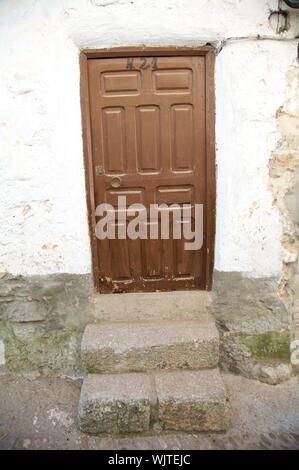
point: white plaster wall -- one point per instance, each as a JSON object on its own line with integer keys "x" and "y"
{"x": 250, "y": 87}
{"x": 42, "y": 202}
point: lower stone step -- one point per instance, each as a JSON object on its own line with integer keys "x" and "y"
{"x": 145, "y": 346}
{"x": 117, "y": 403}
{"x": 135, "y": 402}
{"x": 192, "y": 401}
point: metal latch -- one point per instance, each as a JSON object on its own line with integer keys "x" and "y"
{"x": 99, "y": 170}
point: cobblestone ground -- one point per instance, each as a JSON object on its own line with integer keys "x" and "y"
{"x": 42, "y": 414}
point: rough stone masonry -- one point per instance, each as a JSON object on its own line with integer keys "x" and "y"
{"x": 46, "y": 289}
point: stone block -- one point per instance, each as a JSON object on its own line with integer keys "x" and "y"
{"x": 142, "y": 346}
{"x": 116, "y": 403}
{"x": 192, "y": 401}
{"x": 26, "y": 311}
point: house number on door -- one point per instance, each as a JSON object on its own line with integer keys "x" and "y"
{"x": 143, "y": 63}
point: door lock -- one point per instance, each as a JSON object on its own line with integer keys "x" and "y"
{"x": 115, "y": 182}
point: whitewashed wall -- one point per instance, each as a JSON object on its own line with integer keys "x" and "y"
{"x": 43, "y": 212}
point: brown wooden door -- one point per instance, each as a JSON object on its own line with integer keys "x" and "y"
{"x": 148, "y": 128}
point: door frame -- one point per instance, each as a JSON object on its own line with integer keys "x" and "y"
{"x": 120, "y": 52}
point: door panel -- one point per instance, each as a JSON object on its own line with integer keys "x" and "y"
{"x": 114, "y": 140}
{"x": 148, "y": 139}
{"x": 182, "y": 137}
{"x": 148, "y": 128}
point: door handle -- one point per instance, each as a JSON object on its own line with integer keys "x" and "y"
{"x": 115, "y": 182}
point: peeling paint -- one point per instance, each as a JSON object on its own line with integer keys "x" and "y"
{"x": 284, "y": 175}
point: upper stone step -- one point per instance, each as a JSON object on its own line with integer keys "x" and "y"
{"x": 176, "y": 305}
{"x": 145, "y": 346}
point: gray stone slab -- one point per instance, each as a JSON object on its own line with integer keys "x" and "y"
{"x": 116, "y": 403}
{"x": 191, "y": 401}
{"x": 151, "y": 306}
{"x": 145, "y": 346}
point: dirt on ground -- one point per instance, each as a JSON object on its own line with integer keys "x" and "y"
{"x": 42, "y": 414}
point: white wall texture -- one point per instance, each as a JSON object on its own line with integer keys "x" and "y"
{"x": 43, "y": 213}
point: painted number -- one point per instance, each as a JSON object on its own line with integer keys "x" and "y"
{"x": 130, "y": 63}
{"x": 142, "y": 63}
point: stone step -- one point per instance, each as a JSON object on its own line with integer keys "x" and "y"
{"x": 145, "y": 346}
{"x": 150, "y": 306}
{"x": 192, "y": 401}
{"x": 138, "y": 402}
{"x": 117, "y": 403}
